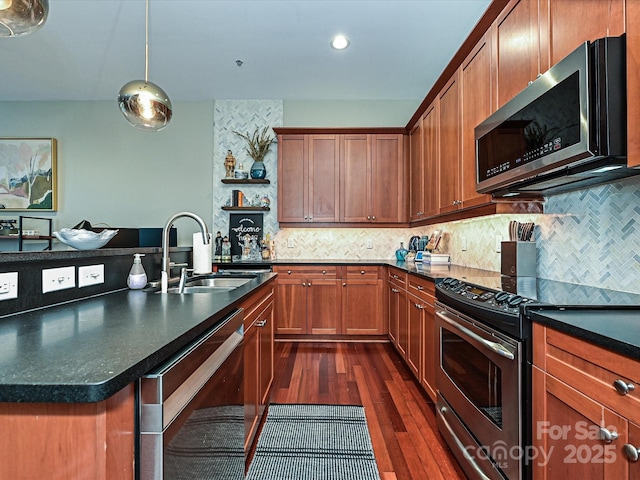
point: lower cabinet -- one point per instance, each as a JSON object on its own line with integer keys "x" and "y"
{"x": 411, "y": 324}
{"x": 586, "y": 413}
{"x": 328, "y": 300}
{"x": 258, "y": 357}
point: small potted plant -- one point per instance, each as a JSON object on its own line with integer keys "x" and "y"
{"x": 258, "y": 145}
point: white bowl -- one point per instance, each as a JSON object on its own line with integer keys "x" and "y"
{"x": 84, "y": 239}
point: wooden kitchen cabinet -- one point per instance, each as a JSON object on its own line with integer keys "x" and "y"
{"x": 422, "y": 290}
{"x": 431, "y": 156}
{"x": 258, "y": 357}
{"x": 362, "y": 301}
{"x": 308, "y": 300}
{"x": 372, "y": 174}
{"x": 476, "y": 106}
{"x": 564, "y": 26}
{"x": 576, "y": 407}
{"x": 516, "y": 52}
{"x": 414, "y": 332}
{"x": 308, "y": 183}
{"x": 397, "y": 301}
{"x": 416, "y": 173}
{"x": 449, "y": 145}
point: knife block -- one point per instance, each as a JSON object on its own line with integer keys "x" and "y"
{"x": 518, "y": 259}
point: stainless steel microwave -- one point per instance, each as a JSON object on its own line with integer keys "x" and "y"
{"x": 567, "y": 130}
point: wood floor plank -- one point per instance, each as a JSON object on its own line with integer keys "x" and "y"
{"x": 400, "y": 416}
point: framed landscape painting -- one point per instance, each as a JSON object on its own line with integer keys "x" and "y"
{"x": 28, "y": 174}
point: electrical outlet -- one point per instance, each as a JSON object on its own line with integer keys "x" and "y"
{"x": 8, "y": 285}
{"x": 290, "y": 243}
{"x": 463, "y": 240}
{"x": 58, "y": 279}
{"x": 90, "y": 275}
{"x": 369, "y": 243}
{"x": 498, "y": 243}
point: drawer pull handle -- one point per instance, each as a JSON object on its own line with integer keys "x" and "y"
{"x": 607, "y": 435}
{"x": 304, "y": 284}
{"x": 631, "y": 452}
{"x": 420, "y": 287}
{"x": 309, "y": 284}
{"x": 395, "y": 276}
{"x": 418, "y": 306}
{"x": 362, "y": 272}
{"x": 261, "y": 323}
{"x": 623, "y": 387}
{"x": 288, "y": 272}
{"x": 395, "y": 290}
{"x": 344, "y": 284}
{"x": 324, "y": 272}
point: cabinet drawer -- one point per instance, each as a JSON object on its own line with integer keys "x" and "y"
{"x": 397, "y": 276}
{"x": 367, "y": 271}
{"x": 256, "y": 304}
{"x": 593, "y": 370}
{"x": 306, "y": 271}
{"x": 422, "y": 288}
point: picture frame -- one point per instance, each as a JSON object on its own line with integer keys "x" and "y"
{"x": 28, "y": 177}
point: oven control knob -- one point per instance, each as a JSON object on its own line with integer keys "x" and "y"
{"x": 514, "y": 301}
{"x": 501, "y": 297}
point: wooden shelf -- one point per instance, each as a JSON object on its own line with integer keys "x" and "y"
{"x": 261, "y": 209}
{"x": 245, "y": 180}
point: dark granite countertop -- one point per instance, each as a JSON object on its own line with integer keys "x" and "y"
{"x": 614, "y": 328}
{"x": 89, "y": 349}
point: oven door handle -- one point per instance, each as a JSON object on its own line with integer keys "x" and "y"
{"x": 495, "y": 347}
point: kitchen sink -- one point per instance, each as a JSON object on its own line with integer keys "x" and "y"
{"x": 212, "y": 283}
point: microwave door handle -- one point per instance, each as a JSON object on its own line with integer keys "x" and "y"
{"x": 496, "y": 347}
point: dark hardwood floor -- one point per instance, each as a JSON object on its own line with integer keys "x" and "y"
{"x": 400, "y": 416}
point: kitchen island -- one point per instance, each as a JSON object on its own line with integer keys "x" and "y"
{"x": 67, "y": 376}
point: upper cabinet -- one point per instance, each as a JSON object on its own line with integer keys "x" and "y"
{"x": 449, "y": 145}
{"x": 564, "y": 26}
{"x": 308, "y": 183}
{"x": 417, "y": 169}
{"x": 341, "y": 177}
{"x": 516, "y": 52}
{"x": 633, "y": 83}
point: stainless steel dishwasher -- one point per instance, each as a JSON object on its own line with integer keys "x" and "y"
{"x": 191, "y": 409}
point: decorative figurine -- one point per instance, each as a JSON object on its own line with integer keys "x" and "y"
{"x": 229, "y": 164}
{"x": 218, "y": 249}
{"x": 226, "y": 249}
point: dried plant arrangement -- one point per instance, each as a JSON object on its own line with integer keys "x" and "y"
{"x": 258, "y": 143}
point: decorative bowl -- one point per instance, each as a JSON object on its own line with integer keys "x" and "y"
{"x": 81, "y": 239}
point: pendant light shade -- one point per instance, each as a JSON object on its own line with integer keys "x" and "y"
{"x": 22, "y": 17}
{"x": 144, "y": 104}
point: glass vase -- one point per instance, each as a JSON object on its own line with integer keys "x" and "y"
{"x": 258, "y": 170}
{"x": 401, "y": 253}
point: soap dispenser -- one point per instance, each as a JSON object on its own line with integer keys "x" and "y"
{"x": 137, "y": 276}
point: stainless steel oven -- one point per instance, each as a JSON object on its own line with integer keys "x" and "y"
{"x": 479, "y": 400}
{"x": 191, "y": 410}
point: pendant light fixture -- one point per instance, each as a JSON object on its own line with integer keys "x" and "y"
{"x": 22, "y": 17}
{"x": 144, "y": 104}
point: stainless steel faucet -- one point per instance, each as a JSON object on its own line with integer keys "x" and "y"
{"x": 166, "y": 262}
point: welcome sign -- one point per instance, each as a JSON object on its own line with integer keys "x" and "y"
{"x": 241, "y": 225}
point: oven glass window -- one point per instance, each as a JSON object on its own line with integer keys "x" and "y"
{"x": 474, "y": 374}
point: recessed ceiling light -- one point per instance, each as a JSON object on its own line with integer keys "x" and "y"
{"x": 339, "y": 42}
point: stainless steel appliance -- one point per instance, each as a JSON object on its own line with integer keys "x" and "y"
{"x": 191, "y": 409}
{"x": 566, "y": 130}
{"x": 483, "y": 379}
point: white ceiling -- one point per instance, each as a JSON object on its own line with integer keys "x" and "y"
{"x": 88, "y": 49}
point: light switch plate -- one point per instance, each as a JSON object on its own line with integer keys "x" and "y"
{"x": 369, "y": 243}
{"x": 90, "y": 275}
{"x": 290, "y": 243}
{"x": 8, "y": 285}
{"x": 58, "y": 279}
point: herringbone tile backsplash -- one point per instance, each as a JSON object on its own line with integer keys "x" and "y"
{"x": 588, "y": 237}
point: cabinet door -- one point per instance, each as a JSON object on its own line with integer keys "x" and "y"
{"x": 475, "y": 83}
{"x": 362, "y": 307}
{"x": 414, "y": 332}
{"x": 633, "y": 439}
{"x": 569, "y": 432}
{"x": 355, "y": 178}
{"x": 431, "y": 155}
{"x": 266, "y": 326}
{"x": 394, "y": 301}
{"x": 516, "y": 56}
{"x": 429, "y": 351}
{"x": 251, "y": 365}
{"x": 416, "y": 173}
{"x": 449, "y": 145}
{"x": 387, "y": 179}
{"x": 633, "y": 83}
{"x": 323, "y": 306}
{"x": 566, "y": 25}
{"x": 324, "y": 185}
{"x": 293, "y": 178}
{"x": 291, "y": 306}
